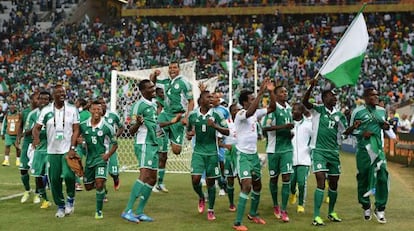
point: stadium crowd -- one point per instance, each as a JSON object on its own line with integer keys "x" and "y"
{"x": 288, "y": 48}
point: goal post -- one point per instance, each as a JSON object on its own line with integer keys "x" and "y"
{"x": 124, "y": 92}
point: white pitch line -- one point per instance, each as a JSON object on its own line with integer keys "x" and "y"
{"x": 11, "y": 196}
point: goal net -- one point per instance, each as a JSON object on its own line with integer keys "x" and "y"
{"x": 124, "y": 92}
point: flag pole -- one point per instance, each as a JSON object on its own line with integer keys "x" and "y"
{"x": 230, "y": 72}
{"x": 255, "y": 78}
{"x": 340, "y": 41}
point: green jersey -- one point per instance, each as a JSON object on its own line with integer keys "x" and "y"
{"x": 178, "y": 91}
{"x": 205, "y": 136}
{"x": 84, "y": 115}
{"x": 372, "y": 118}
{"x": 160, "y": 100}
{"x": 327, "y": 128}
{"x": 278, "y": 141}
{"x": 147, "y": 132}
{"x": 30, "y": 122}
{"x": 113, "y": 119}
{"x": 97, "y": 139}
{"x": 25, "y": 117}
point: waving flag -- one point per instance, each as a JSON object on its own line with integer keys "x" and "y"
{"x": 343, "y": 65}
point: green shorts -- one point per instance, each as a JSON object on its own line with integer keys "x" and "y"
{"x": 280, "y": 163}
{"x": 9, "y": 140}
{"x": 95, "y": 172}
{"x": 326, "y": 161}
{"x": 147, "y": 156}
{"x": 247, "y": 165}
{"x": 24, "y": 159}
{"x": 174, "y": 132}
{"x": 113, "y": 164}
{"x": 205, "y": 163}
{"x": 163, "y": 143}
{"x": 229, "y": 162}
{"x": 39, "y": 163}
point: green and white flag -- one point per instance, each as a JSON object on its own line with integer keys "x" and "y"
{"x": 3, "y": 87}
{"x": 377, "y": 159}
{"x": 154, "y": 25}
{"x": 237, "y": 50}
{"x": 407, "y": 48}
{"x": 343, "y": 65}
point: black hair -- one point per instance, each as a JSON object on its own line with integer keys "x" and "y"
{"x": 97, "y": 102}
{"x": 82, "y": 102}
{"x": 277, "y": 88}
{"x": 44, "y": 92}
{"x": 325, "y": 93}
{"x": 202, "y": 95}
{"x": 368, "y": 90}
{"x": 244, "y": 96}
{"x": 142, "y": 84}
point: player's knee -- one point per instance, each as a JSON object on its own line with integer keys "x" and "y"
{"x": 176, "y": 149}
{"x": 89, "y": 187}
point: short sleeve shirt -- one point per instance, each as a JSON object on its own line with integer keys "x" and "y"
{"x": 97, "y": 140}
{"x": 246, "y": 130}
{"x": 327, "y": 128}
{"x": 177, "y": 91}
{"x": 57, "y": 121}
{"x": 146, "y": 133}
{"x": 205, "y": 138}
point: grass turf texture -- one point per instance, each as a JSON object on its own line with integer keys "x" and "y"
{"x": 177, "y": 210}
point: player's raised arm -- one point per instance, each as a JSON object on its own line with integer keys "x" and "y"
{"x": 255, "y": 104}
{"x": 305, "y": 100}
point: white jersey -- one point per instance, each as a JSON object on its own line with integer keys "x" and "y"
{"x": 59, "y": 126}
{"x": 231, "y": 138}
{"x": 246, "y": 130}
{"x": 300, "y": 141}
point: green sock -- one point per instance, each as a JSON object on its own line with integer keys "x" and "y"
{"x": 198, "y": 189}
{"x": 100, "y": 195}
{"x": 273, "y": 193}
{"x": 241, "y": 207}
{"x": 161, "y": 173}
{"x": 318, "y": 198}
{"x": 255, "y": 203}
{"x": 136, "y": 190}
{"x": 332, "y": 200}
{"x": 211, "y": 196}
{"x": 145, "y": 195}
{"x": 230, "y": 194}
{"x": 25, "y": 180}
{"x": 285, "y": 194}
{"x": 301, "y": 194}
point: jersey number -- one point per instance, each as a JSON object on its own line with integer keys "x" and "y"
{"x": 331, "y": 124}
{"x": 101, "y": 171}
{"x": 94, "y": 140}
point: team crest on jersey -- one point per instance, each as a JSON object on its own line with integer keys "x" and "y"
{"x": 110, "y": 120}
{"x": 271, "y": 172}
{"x": 245, "y": 173}
{"x": 176, "y": 86}
{"x": 150, "y": 162}
{"x": 336, "y": 118}
{"x": 100, "y": 133}
{"x": 86, "y": 132}
{"x": 319, "y": 166}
